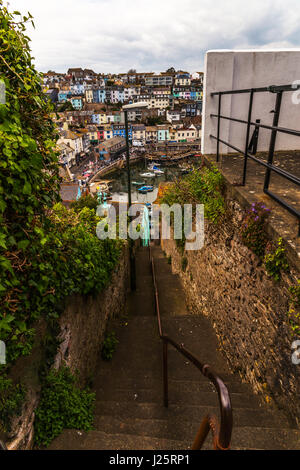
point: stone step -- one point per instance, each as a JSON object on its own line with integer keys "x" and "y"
{"x": 157, "y": 252}
{"x": 142, "y": 266}
{"x": 238, "y": 400}
{"x": 144, "y": 282}
{"x": 71, "y": 439}
{"x": 184, "y": 386}
{"x": 162, "y": 268}
{"x": 129, "y": 413}
{"x": 244, "y": 438}
{"x": 188, "y": 416}
{"x": 141, "y": 303}
{"x": 155, "y": 428}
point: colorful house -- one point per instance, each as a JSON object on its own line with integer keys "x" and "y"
{"x": 120, "y": 131}
{"x": 163, "y": 133}
{"x": 77, "y": 102}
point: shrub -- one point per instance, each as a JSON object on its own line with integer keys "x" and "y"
{"x": 198, "y": 187}
{"x": 11, "y": 399}
{"x": 62, "y": 406}
{"x": 87, "y": 200}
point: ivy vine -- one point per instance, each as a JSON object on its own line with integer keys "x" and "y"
{"x": 46, "y": 251}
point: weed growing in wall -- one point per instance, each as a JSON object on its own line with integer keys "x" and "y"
{"x": 184, "y": 263}
{"x": 294, "y": 309}
{"x": 253, "y": 232}
{"x": 109, "y": 346}
{"x": 11, "y": 399}
{"x": 276, "y": 261}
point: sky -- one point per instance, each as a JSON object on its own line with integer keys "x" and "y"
{"x": 153, "y": 35}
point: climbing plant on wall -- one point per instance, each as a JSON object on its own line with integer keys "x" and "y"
{"x": 28, "y": 171}
{"x": 46, "y": 251}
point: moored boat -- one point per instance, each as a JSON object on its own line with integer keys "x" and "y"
{"x": 145, "y": 189}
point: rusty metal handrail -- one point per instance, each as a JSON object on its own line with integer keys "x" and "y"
{"x": 221, "y": 432}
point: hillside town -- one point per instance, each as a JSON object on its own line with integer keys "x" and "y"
{"x": 90, "y": 116}
{"x": 150, "y": 229}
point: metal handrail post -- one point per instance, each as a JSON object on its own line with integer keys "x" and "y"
{"x": 273, "y": 139}
{"x": 247, "y": 137}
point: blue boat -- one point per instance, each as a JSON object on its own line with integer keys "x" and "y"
{"x": 145, "y": 189}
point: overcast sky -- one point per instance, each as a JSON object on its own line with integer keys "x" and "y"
{"x": 153, "y": 35}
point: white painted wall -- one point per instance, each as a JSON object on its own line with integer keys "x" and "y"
{"x": 228, "y": 70}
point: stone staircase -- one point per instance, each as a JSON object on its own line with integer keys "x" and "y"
{"x": 129, "y": 396}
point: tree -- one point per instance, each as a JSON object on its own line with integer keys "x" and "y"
{"x": 171, "y": 70}
{"x": 152, "y": 121}
{"x": 66, "y": 106}
{"x": 131, "y": 71}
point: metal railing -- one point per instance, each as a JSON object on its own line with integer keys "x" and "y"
{"x": 274, "y": 128}
{"x": 221, "y": 432}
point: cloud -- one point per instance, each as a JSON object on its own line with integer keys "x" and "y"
{"x": 115, "y": 35}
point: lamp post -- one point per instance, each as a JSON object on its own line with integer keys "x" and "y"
{"x": 131, "y": 250}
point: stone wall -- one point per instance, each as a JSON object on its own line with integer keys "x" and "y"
{"x": 84, "y": 321}
{"x": 82, "y": 325}
{"x": 226, "y": 282}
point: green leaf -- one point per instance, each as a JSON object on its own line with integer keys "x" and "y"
{"x": 27, "y": 188}
{"x": 23, "y": 244}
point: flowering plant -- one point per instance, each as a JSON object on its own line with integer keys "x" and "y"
{"x": 253, "y": 231}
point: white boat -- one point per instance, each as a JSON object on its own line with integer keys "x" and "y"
{"x": 155, "y": 169}
{"x": 148, "y": 175}
{"x": 153, "y": 166}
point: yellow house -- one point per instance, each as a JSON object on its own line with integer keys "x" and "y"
{"x": 102, "y": 118}
{"x": 186, "y": 134}
{"x": 89, "y": 96}
{"x": 158, "y": 101}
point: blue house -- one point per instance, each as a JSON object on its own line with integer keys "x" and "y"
{"x": 77, "y": 102}
{"x": 99, "y": 95}
{"x": 102, "y": 95}
{"x": 119, "y": 131}
{"x": 63, "y": 96}
{"x": 96, "y": 118}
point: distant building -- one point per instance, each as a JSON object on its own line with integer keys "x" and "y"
{"x": 72, "y": 139}
{"x": 76, "y": 73}
{"x": 77, "y": 102}
{"x": 151, "y": 134}
{"x": 159, "y": 80}
{"x": 163, "y": 133}
{"x": 68, "y": 193}
{"x": 182, "y": 79}
{"x": 52, "y": 94}
{"x": 112, "y": 148}
{"x": 138, "y": 133}
{"x": 120, "y": 131}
